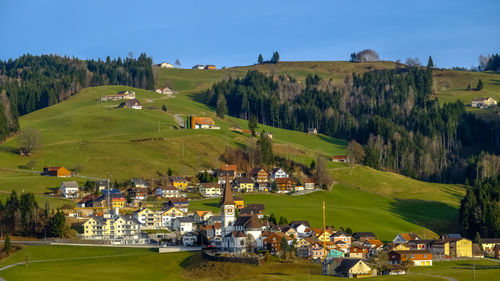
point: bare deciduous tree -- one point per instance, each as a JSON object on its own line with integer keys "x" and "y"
{"x": 322, "y": 175}
{"x": 412, "y": 62}
{"x": 30, "y": 139}
{"x": 365, "y": 55}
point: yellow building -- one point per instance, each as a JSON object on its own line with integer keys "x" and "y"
{"x": 245, "y": 184}
{"x": 459, "y": 247}
{"x": 123, "y": 229}
{"x": 148, "y": 218}
{"x": 168, "y": 216}
{"x": 238, "y": 201}
{"x": 178, "y": 182}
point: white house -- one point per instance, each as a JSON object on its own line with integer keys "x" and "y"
{"x": 184, "y": 224}
{"x": 164, "y": 91}
{"x": 189, "y": 239}
{"x": 69, "y": 189}
{"x": 167, "y": 192}
{"x": 405, "y": 237}
{"x": 210, "y": 189}
{"x": 199, "y": 66}
{"x": 278, "y": 173}
{"x": 166, "y": 65}
{"x": 483, "y": 102}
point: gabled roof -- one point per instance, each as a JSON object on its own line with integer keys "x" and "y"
{"x": 70, "y": 184}
{"x": 339, "y": 157}
{"x": 248, "y": 222}
{"x": 203, "y": 213}
{"x": 236, "y": 234}
{"x": 295, "y": 224}
{"x": 284, "y": 181}
{"x": 275, "y": 170}
{"x": 409, "y": 236}
{"x": 256, "y": 170}
{"x": 210, "y": 185}
{"x": 177, "y": 178}
{"x": 229, "y": 167}
{"x": 139, "y": 182}
{"x": 53, "y": 169}
{"x": 364, "y": 234}
{"x": 346, "y": 264}
{"x": 256, "y": 206}
{"x": 189, "y": 219}
{"x": 227, "y": 197}
{"x": 244, "y": 180}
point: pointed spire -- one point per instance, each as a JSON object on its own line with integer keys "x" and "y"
{"x": 227, "y": 196}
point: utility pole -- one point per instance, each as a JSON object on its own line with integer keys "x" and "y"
{"x": 324, "y": 232}
{"x": 474, "y": 270}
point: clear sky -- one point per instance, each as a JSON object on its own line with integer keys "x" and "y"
{"x": 230, "y": 33}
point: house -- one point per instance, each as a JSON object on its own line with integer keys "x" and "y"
{"x": 100, "y": 185}
{"x": 148, "y": 218}
{"x": 420, "y": 244}
{"x": 122, "y": 95}
{"x": 272, "y": 243}
{"x": 202, "y": 216}
{"x": 363, "y": 236}
{"x": 184, "y": 224}
{"x": 118, "y": 201}
{"x": 360, "y": 252}
{"x": 212, "y": 230}
{"x": 139, "y": 183}
{"x": 230, "y": 167}
{"x": 340, "y": 158}
{"x": 201, "y": 123}
{"x": 278, "y": 173}
{"x": 123, "y": 229}
{"x": 397, "y": 247}
{"x": 214, "y": 219}
{"x": 290, "y": 232}
{"x": 210, "y": 66}
{"x": 138, "y": 193}
{"x": 285, "y": 185}
{"x": 373, "y": 244}
{"x": 312, "y": 131}
{"x": 302, "y": 247}
{"x": 459, "y": 247}
{"x": 405, "y": 237}
{"x": 347, "y": 267}
{"x": 489, "y": 244}
{"x": 483, "y": 102}
{"x": 316, "y": 251}
{"x": 168, "y": 216}
{"x": 418, "y": 258}
{"x": 69, "y": 189}
{"x": 166, "y": 65}
{"x": 198, "y": 66}
{"x": 189, "y": 239}
{"x": 309, "y": 184}
{"x": 210, "y": 189}
{"x": 133, "y": 103}
{"x": 86, "y": 201}
{"x": 223, "y": 174}
{"x": 239, "y": 203}
{"x": 178, "y": 182}
{"x": 244, "y": 184}
{"x": 164, "y": 91}
{"x": 253, "y": 209}
{"x": 56, "y": 172}
{"x": 342, "y": 236}
{"x": 260, "y": 175}
{"x": 180, "y": 203}
{"x": 167, "y": 192}
{"x": 300, "y": 227}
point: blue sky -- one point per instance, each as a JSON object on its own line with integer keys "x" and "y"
{"x": 230, "y": 33}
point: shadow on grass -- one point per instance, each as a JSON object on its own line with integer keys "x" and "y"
{"x": 436, "y": 216}
{"x": 332, "y": 140}
{"x": 470, "y": 266}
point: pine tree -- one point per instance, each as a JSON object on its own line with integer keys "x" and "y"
{"x": 7, "y": 244}
{"x": 252, "y": 124}
{"x": 260, "y": 59}
{"x": 57, "y": 223}
{"x": 169, "y": 172}
{"x": 430, "y": 63}
{"x": 479, "y": 85}
{"x": 469, "y": 87}
{"x": 266, "y": 148}
{"x": 164, "y": 108}
{"x": 274, "y": 186}
{"x": 221, "y": 109}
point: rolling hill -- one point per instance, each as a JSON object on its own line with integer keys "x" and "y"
{"x": 98, "y": 140}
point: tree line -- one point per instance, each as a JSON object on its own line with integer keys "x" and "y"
{"x": 391, "y": 113}
{"x": 29, "y": 82}
{"x": 21, "y": 215}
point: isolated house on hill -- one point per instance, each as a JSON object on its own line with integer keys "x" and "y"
{"x": 69, "y": 189}
{"x": 340, "y": 158}
{"x": 483, "y": 102}
{"x": 56, "y": 172}
{"x": 166, "y": 65}
{"x": 134, "y": 104}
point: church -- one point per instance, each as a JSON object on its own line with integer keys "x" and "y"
{"x": 239, "y": 234}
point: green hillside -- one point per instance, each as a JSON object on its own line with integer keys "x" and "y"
{"x": 97, "y": 138}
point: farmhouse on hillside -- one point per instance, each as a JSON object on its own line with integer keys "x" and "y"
{"x": 134, "y": 104}
{"x": 69, "y": 189}
{"x": 201, "y": 123}
{"x": 210, "y": 66}
{"x": 483, "y": 102}
{"x": 164, "y": 91}
{"x": 340, "y": 158}
{"x": 199, "y": 66}
{"x": 122, "y": 95}
{"x": 56, "y": 172}
{"x": 166, "y": 65}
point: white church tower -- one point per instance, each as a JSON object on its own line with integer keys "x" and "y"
{"x": 228, "y": 209}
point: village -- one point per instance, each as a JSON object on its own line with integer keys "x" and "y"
{"x": 242, "y": 232}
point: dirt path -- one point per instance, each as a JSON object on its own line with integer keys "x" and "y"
{"x": 179, "y": 120}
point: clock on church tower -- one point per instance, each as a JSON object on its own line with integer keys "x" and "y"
{"x": 229, "y": 210}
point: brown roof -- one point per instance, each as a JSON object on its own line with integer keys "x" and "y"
{"x": 228, "y": 167}
{"x": 202, "y": 120}
{"x": 227, "y": 197}
{"x": 339, "y": 157}
{"x": 53, "y": 169}
{"x": 284, "y": 180}
{"x": 409, "y": 236}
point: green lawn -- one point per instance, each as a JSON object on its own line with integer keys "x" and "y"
{"x": 106, "y": 263}
{"x": 354, "y": 208}
{"x": 463, "y": 270}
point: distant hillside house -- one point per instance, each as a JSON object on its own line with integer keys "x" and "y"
{"x": 134, "y": 104}
{"x": 122, "y": 95}
{"x": 198, "y": 66}
{"x": 56, "y": 172}
{"x": 69, "y": 189}
{"x": 201, "y": 123}
{"x": 166, "y": 65}
{"x": 164, "y": 91}
{"x": 210, "y": 66}
{"x": 312, "y": 131}
{"x": 483, "y": 102}
{"x": 340, "y": 158}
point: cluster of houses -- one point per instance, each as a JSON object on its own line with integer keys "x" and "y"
{"x": 201, "y": 66}
{"x": 482, "y": 102}
{"x": 128, "y": 96}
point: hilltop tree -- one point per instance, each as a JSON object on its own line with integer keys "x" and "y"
{"x": 178, "y": 63}
{"x": 260, "y": 59}
{"x": 252, "y": 124}
{"x": 365, "y": 55}
{"x": 430, "y": 63}
{"x": 30, "y": 139}
{"x": 275, "y": 58}
{"x": 413, "y": 62}
{"x": 479, "y": 85}
{"x": 221, "y": 109}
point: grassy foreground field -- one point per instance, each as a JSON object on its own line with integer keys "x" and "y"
{"x": 103, "y": 263}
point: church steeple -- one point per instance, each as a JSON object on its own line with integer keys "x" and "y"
{"x": 227, "y": 196}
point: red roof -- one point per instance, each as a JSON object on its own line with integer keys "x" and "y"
{"x": 340, "y": 157}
